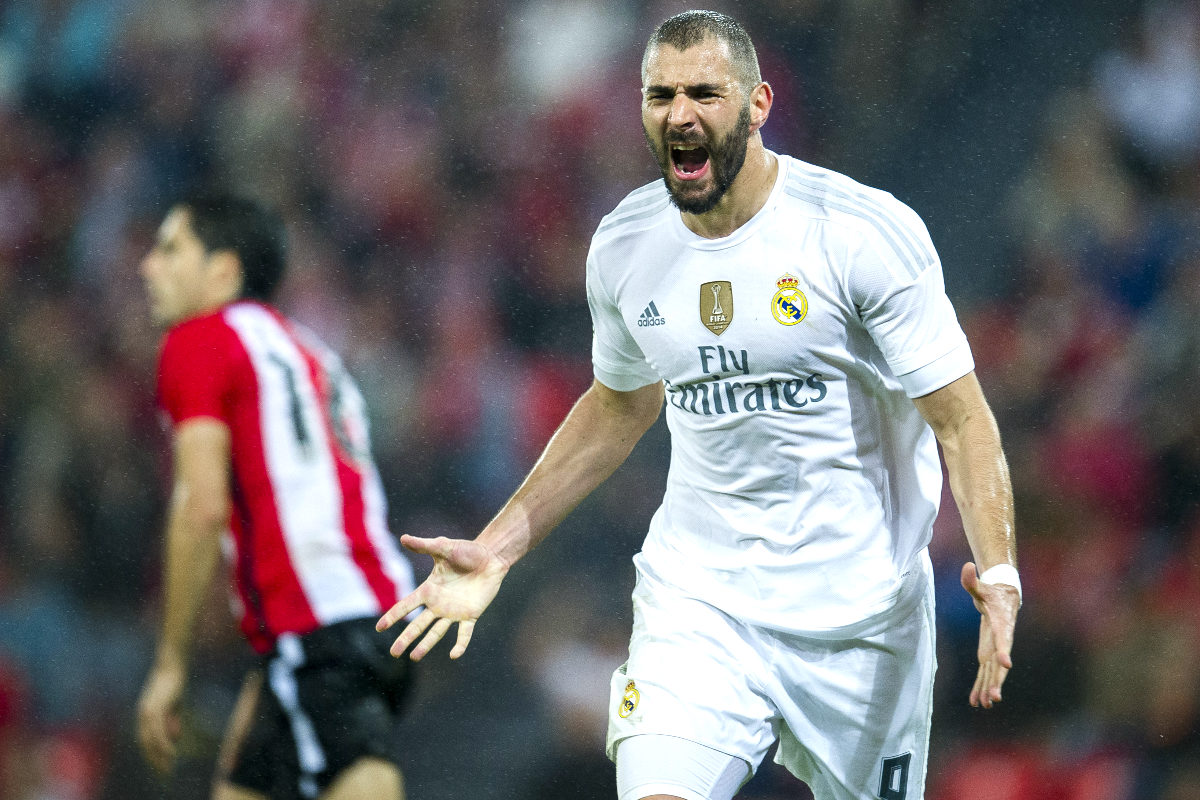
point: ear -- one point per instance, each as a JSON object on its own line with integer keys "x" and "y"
{"x": 225, "y": 271}
{"x": 761, "y": 98}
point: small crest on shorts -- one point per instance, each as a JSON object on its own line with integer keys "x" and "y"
{"x": 629, "y": 701}
{"x": 716, "y": 305}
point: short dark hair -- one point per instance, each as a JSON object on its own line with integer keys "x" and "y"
{"x": 690, "y": 28}
{"x": 224, "y": 221}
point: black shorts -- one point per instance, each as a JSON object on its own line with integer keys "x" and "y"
{"x": 329, "y": 698}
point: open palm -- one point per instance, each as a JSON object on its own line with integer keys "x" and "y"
{"x": 464, "y": 580}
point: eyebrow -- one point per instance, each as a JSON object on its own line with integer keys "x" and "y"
{"x": 696, "y": 88}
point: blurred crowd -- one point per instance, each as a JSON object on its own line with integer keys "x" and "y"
{"x": 442, "y": 166}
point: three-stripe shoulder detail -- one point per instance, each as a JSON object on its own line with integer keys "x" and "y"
{"x": 640, "y": 204}
{"x": 822, "y": 189}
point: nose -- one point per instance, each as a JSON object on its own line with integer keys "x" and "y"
{"x": 146, "y": 266}
{"x": 682, "y": 113}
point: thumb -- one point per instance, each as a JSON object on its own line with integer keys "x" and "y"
{"x": 429, "y": 547}
{"x": 970, "y": 580}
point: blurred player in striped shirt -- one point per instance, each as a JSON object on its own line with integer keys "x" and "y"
{"x": 272, "y": 464}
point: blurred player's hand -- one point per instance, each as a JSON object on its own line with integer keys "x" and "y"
{"x": 997, "y": 605}
{"x": 159, "y": 723}
{"x": 465, "y": 578}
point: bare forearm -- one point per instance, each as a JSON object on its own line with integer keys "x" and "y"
{"x": 966, "y": 429}
{"x": 970, "y": 440}
{"x": 191, "y": 559}
{"x": 196, "y": 518}
{"x": 595, "y": 438}
{"x": 982, "y": 490}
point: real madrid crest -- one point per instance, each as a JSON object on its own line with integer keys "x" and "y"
{"x": 716, "y": 305}
{"x": 789, "y": 305}
{"x": 629, "y": 700}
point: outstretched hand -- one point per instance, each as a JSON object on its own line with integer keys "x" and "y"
{"x": 997, "y": 605}
{"x": 465, "y": 578}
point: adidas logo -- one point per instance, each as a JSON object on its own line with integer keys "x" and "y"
{"x": 651, "y": 317}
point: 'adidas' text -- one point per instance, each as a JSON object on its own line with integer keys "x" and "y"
{"x": 651, "y": 317}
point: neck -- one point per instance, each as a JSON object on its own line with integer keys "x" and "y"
{"x": 746, "y": 196}
{"x": 214, "y": 302}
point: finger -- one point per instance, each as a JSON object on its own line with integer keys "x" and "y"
{"x": 153, "y": 755}
{"x": 985, "y": 685}
{"x": 164, "y": 756}
{"x": 983, "y": 656}
{"x": 987, "y": 691}
{"x": 976, "y": 698}
{"x": 465, "y": 629}
{"x": 165, "y": 743}
{"x": 145, "y": 742}
{"x": 1003, "y": 661}
{"x": 996, "y": 675}
{"x": 438, "y": 547}
{"x": 412, "y": 631}
{"x": 433, "y": 637}
{"x": 405, "y": 606}
{"x": 149, "y": 728}
{"x": 157, "y": 745}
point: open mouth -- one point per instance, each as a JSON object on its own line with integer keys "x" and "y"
{"x": 689, "y": 161}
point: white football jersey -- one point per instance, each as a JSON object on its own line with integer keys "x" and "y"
{"x": 803, "y": 482}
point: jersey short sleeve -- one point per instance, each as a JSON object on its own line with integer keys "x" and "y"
{"x": 617, "y": 361}
{"x": 896, "y": 284}
{"x": 196, "y": 371}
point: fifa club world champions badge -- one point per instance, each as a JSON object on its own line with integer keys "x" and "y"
{"x": 789, "y": 305}
{"x": 629, "y": 701}
{"x": 716, "y": 305}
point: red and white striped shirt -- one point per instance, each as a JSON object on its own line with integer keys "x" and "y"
{"x": 309, "y": 543}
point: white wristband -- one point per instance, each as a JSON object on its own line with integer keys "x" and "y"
{"x": 1003, "y": 573}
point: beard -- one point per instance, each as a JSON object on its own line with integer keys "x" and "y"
{"x": 725, "y": 160}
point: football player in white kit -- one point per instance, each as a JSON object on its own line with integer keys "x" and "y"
{"x": 796, "y": 324}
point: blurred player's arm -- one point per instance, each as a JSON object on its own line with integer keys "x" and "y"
{"x": 197, "y": 516}
{"x": 970, "y": 440}
{"x": 594, "y": 439}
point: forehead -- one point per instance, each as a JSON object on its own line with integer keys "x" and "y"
{"x": 176, "y": 226}
{"x": 705, "y": 62}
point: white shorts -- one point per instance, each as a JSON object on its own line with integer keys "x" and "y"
{"x": 851, "y": 715}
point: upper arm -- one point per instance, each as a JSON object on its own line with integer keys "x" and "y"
{"x": 950, "y": 409}
{"x": 201, "y": 367}
{"x": 616, "y": 357}
{"x": 202, "y": 469}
